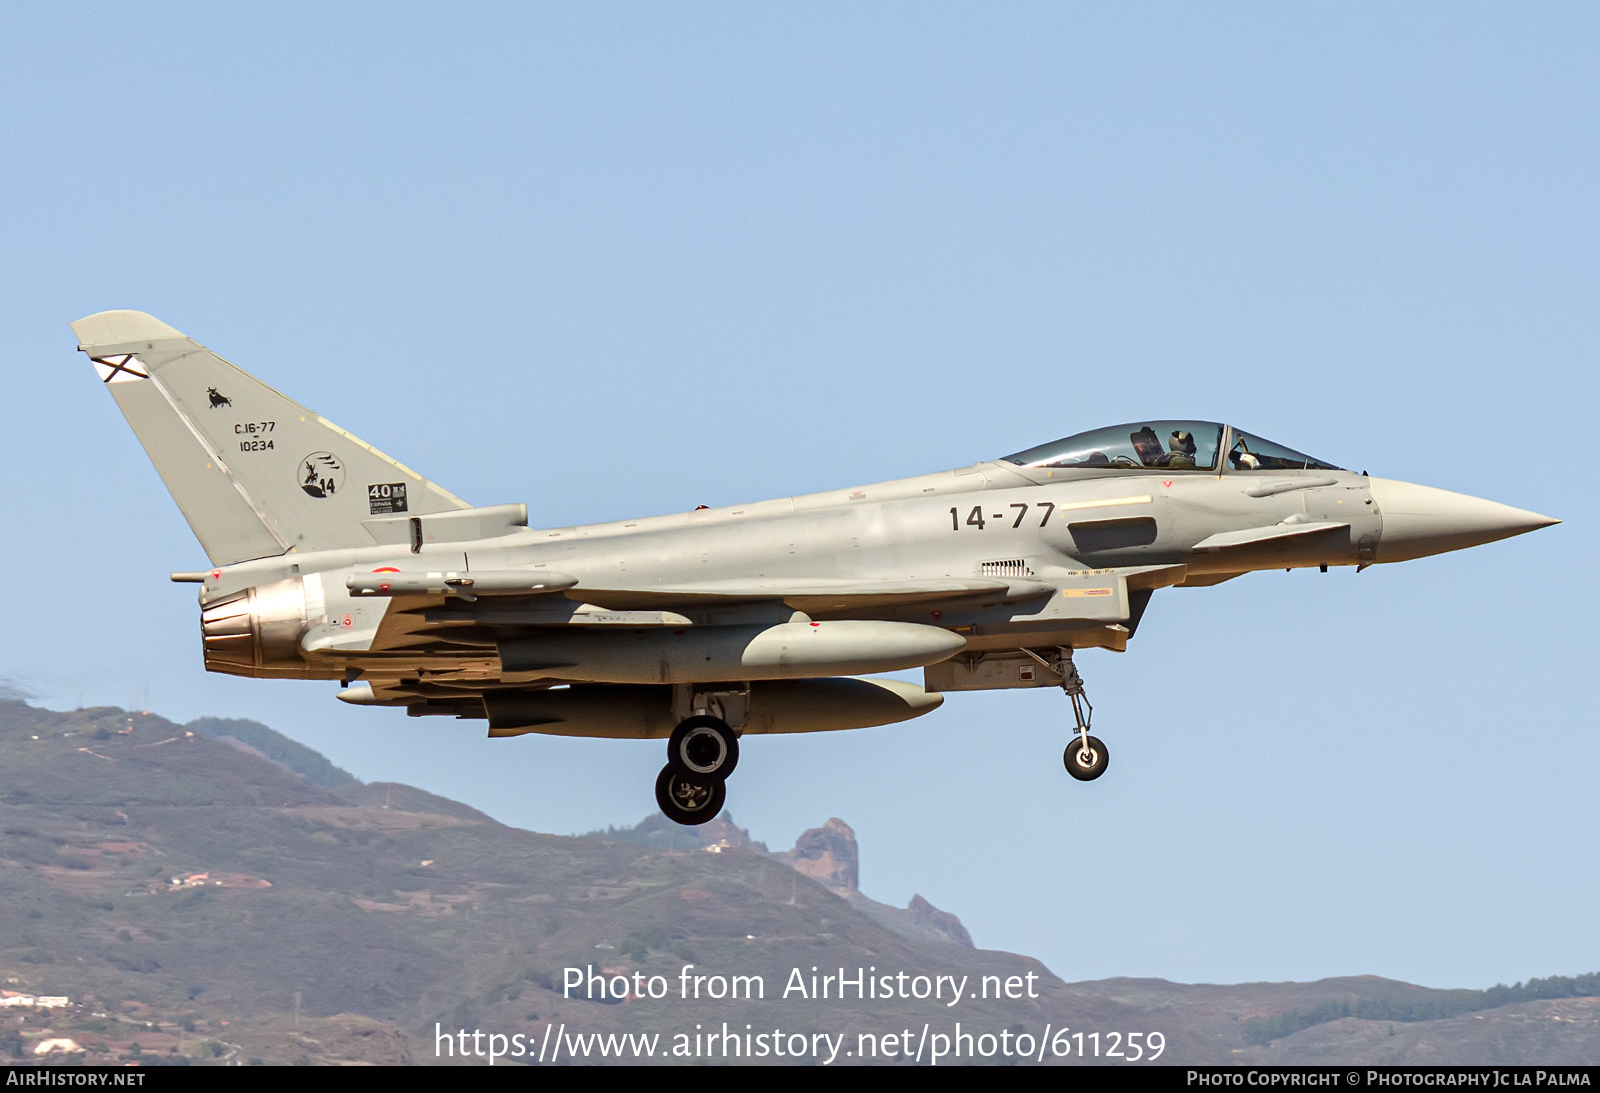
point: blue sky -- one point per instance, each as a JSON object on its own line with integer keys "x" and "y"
{"x": 622, "y": 260}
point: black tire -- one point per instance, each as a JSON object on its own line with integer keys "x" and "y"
{"x": 689, "y": 801}
{"x": 1086, "y": 767}
{"x": 703, "y": 747}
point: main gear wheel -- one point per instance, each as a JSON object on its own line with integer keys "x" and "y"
{"x": 688, "y": 800}
{"x": 703, "y": 747}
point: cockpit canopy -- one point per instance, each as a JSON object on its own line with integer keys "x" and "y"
{"x": 1167, "y": 446}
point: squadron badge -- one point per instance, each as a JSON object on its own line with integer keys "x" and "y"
{"x": 321, "y": 474}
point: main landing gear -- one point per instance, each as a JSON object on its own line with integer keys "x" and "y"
{"x": 688, "y": 800}
{"x": 1086, "y": 756}
{"x": 701, "y": 753}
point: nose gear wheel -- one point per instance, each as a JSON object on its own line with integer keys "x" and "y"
{"x": 1086, "y": 758}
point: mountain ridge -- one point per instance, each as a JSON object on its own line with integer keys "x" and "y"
{"x": 201, "y": 902}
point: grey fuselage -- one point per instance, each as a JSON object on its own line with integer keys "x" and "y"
{"x": 330, "y": 560}
{"x": 1033, "y": 537}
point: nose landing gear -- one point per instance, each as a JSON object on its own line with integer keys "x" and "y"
{"x": 1086, "y": 756}
{"x": 701, "y": 753}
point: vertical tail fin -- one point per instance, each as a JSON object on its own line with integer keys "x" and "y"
{"x": 255, "y": 473}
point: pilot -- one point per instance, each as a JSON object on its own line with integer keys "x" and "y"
{"x": 1180, "y": 451}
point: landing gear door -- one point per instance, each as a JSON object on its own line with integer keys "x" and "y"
{"x": 1346, "y": 504}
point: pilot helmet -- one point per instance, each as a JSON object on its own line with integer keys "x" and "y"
{"x": 1182, "y": 441}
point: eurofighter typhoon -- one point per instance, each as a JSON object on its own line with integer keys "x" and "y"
{"x": 331, "y": 561}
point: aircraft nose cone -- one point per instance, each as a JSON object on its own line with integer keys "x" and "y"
{"x": 1420, "y": 520}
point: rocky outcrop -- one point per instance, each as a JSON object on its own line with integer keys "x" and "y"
{"x": 830, "y": 856}
{"x": 936, "y": 923}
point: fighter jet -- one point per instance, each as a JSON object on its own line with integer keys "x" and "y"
{"x": 331, "y": 561}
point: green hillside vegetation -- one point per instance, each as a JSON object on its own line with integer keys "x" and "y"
{"x": 1261, "y": 1031}
{"x": 310, "y": 765}
{"x": 663, "y": 834}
